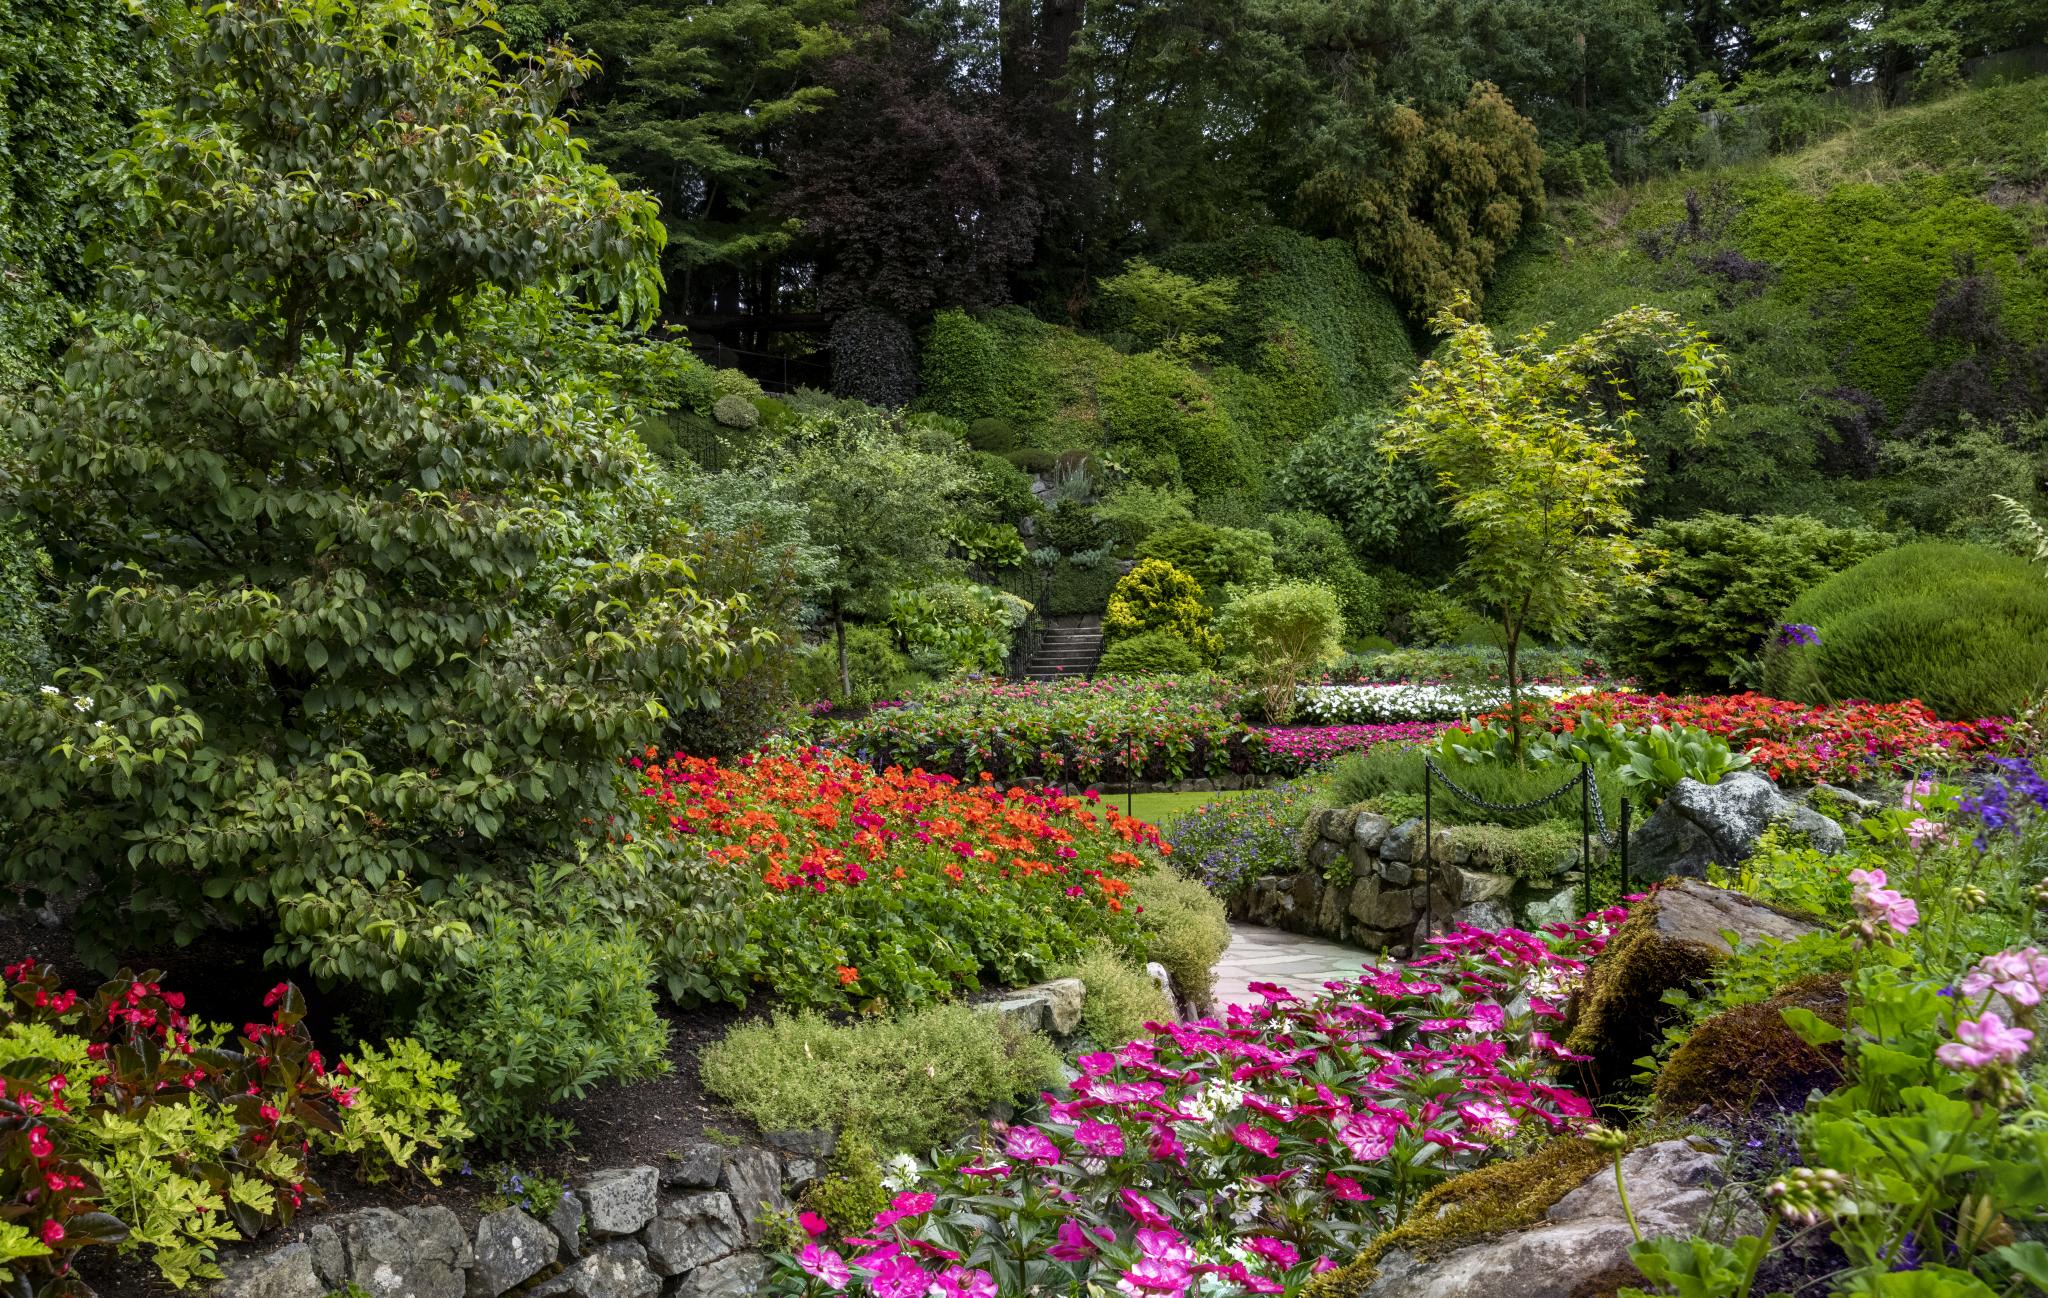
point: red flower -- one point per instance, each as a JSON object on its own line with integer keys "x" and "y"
{"x": 848, "y": 975}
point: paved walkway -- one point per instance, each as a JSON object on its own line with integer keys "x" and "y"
{"x": 1270, "y": 955}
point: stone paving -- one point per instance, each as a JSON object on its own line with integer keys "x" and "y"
{"x": 1270, "y": 955}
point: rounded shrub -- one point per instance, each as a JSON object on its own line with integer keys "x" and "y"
{"x": 735, "y": 411}
{"x": 1959, "y": 627}
{"x": 874, "y": 358}
{"x": 991, "y": 434}
{"x": 1152, "y": 653}
{"x": 1156, "y": 596}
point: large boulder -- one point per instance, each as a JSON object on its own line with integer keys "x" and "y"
{"x": 612, "y": 1270}
{"x": 1698, "y": 825}
{"x": 1671, "y": 939}
{"x": 511, "y": 1248}
{"x": 620, "y": 1201}
{"x": 416, "y": 1253}
{"x": 1582, "y": 1236}
{"x": 1747, "y": 1058}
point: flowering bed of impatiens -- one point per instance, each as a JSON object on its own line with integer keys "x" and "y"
{"x": 1077, "y": 732}
{"x": 1291, "y": 750}
{"x": 1795, "y": 741}
{"x": 1242, "y": 1154}
{"x": 1373, "y": 702}
{"x": 898, "y": 886}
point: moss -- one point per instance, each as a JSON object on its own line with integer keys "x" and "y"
{"x": 1530, "y": 852}
{"x": 1747, "y": 1056}
{"x": 1620, "y": 1013}
{"x": 1481, "y": 1203}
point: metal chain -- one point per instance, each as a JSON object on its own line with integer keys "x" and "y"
{"x": 1482, "y": 803}
{"x": 1600, "y": 816}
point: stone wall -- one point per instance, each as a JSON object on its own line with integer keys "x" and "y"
{"x": 690, "y": 1228}
{"x": 1383, "y": 904}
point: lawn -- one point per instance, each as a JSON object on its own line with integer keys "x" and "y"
{"x": 1161, "y": 808}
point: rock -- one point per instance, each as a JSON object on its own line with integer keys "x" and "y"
{"x": 567, "y": 1223}
{"x": 693, "y": 1230}
{"x": 1728, "y": 819}
{"x": 1229, "y": 783}
{"x": 1063, "y": 1004}
{"x": 754, "y": 1179}
{"x": 1336, "y": 900}
{"x": 1671, "y": 1186}
{"x": 417, "y": 1253}
{"x": 285, "y": 1273}
{"x": 1561, "y": 907}
{"x": 1322, "y": 854}
{"x": 803, "y": 1173}
{"x": 1027, "y": 1009}
{"x": 1403, "y": 842}
{"x": 1477, "y": 885}
{"x": 1493, "y": 915}
{"x": 698, "y": 1164}
{"x": 615, "y": 1270}
{"x": 1849, "y": 799}
{"x": 729, "y": 1277}
{"x": 1335, "y": 825}
{"x": 1161, "y": 975}
{"x": 511, "y": 1248}
{"x": 1673, "y": 938}
{"x": 1386, "y": 908}
{"x": 620, "y": 1201}
{"x": 1749, "y": 1056}
{"x": 1370, "y": 830}
{"x": 1397, "y": 873}
{"x": 814, "y": 1145}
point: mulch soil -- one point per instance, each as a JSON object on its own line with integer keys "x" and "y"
{"x": 224, "y": 978}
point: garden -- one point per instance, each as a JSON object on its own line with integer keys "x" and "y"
{"x": 904, "y": 651}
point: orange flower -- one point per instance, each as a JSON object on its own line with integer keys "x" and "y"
{"x": 848, "y": 975}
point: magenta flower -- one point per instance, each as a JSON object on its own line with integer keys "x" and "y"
{"x": 899, "y": 1277}
{"x": 1256, "y": 1138}
{"x": 1149, "y": 1276}
{"x": 1102, "y": 1139}
{"x": 821, "y": 1263}
{"x": 1029, "y": 1145}
{"x": 963, "y": 1282}
{"x": 1369, "y": 1137}
{"x": 1142, "y": 1210}
{"x": 1165, "y": 1147}
{"x": 1985, "y": 1043}
{"x": 1078, "y": 1243}
{"x": 1343, "y": 1187}
{"x": 813, "y": 1225}
{"x": 1277, "y": 1251}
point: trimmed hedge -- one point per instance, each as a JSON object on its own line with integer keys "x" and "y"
{"x": 1961, "y": 628}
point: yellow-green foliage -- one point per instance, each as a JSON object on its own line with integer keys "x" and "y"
{"x": 1961, "y": 628}
{"x": 406, "y": 1114}
{"x": 1167, "y": 424}
{"x": 1536, "y": 851}
{"x": 52, "y": 1051}
{"x": 1187, "y": 930}
{"x": 907, "y": 1083}
{"x": 851, "y": 1192}
{"x": 141, "y": 1167}
{"x": 1121, "y": 998}
{"x": 1748, "y": 1056}
{"x": 1491, "y": 1199}
{"x": 17, "y": 1245}
{"x": 1156, "y": 596}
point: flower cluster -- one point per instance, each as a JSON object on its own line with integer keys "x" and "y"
{"x": 1232, "y": 841}
{"x": 1379, "y": 703}
{"x": 903, "y": 886}
{"x": 1079, "y": 732}
{"x": 1794, "y": 741}
{"x": 1793, "y": 634}
{"x": 2008, "y": 799}
{"x": 2021, "y": 977}
{"x": 1250, "y": 1152}
{"x": 1294, "y": 749}
{"x": 1884, "y": 910}
{"x": 1985, "y": 1043}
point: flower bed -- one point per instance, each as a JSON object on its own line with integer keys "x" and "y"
{"x": 1293, "y": 749}
{"x": 1380, "y": 703}
{"x": 901, "y": 887}
{"x": 1257, "y": 1150}
{"x": 1076, "y": 732}
{"x": 1793, "y": 741}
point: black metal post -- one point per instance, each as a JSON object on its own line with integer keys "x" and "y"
{"x": 1428, "y": 853}
{"x": 1626, "y": 807}
{"x": 1130, "y": 773}
{"x": 1586, "y": 795}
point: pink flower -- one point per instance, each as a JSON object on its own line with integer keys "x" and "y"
{"x": 2019, "y": 976}
{"x": 821, "y": 1263}
{"x": 52, "y": 1231}
{"x": 1029, "y": 1145}
{"x": 1983, "y": 1043}
{"x": 1256, "y": 1138}
{"x": 1343, "y": 1187}
{"x": 813, "y": 1225}
{"x": 1923, "y": 832}
{"x": 1164, "y": 1244}
{"x": 1277, "y": 1251}
{"x": 1142, "y": 1210}
{"x": 899, "y": 1277}
{"x": 1151, "y": 1276}
{"x": 963, "y": 1282}
{"x": 1165, "y": 1147}
{"x": 1369, "y": 1137}
{"x": 1078, "y": 1243}
{"x": 39, "y": 1145}
{"x": 1881, "y": 904}
{"x": 1102, "y": 1139}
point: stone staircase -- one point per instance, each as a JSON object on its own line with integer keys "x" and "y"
{"x": 1069, "y": 651}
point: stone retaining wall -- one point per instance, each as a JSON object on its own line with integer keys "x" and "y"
{"x": 1383, "y": 904}
{"x": 690, "y": 1228}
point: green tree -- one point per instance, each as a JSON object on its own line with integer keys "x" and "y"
{"x": 350, "y": 638}
{"x": 880, "y": 499}
{"x": 1277, "y": 635}
{"x": 1536, "y": 466}
{"x": 1176, "y": 314}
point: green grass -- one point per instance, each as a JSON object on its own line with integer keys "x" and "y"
{"x": 1162, "y": 809}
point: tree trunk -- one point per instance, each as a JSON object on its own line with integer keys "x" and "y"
{"x": 1514, "y": 641}
{"x": 839, "y": 629}
{"x": 1013, "y": 23}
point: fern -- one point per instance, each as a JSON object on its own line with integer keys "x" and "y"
{"x": 2029, "y": 537}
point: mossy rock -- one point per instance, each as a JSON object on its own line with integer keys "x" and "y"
{"x": 1478, "y": 1204}
{"x": 1673, "y": 938}
{"x": 1749, "y": 1056}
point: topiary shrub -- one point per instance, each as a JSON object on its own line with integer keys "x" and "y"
{"x": 1716, "y": 587}
{"x": 997, "y": 435}
{"x": 1150, "y": 653}
{"x": 1135, "y": 511}
{"x": 1072, "y": 528}
{"x": 1156, "y": 596}
{"x": 1168, "y": 415}
{"x": 1961, "y": 628}
{"x": 1030, "y": 459}
{"x": 1081, "y": 586}
{"x": 874, "y": 358}
{"x": 735, "y": 411}
{"x": 1749, "y": 1056}
{"x": 1311, "y": 547}
{"x": 1214, "y": 556}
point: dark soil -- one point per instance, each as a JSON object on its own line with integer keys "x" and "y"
{"x": 224, "y": 978}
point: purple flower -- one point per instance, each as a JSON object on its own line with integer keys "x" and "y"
{"x": 1791, "y": 634}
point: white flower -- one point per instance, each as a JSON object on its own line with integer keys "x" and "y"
{"x": 899, "y": 1172}
{"x": 51, "y": 689}
{"x": 83, "y": 703}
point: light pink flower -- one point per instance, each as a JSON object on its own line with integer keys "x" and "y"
{"x": 1102, "y": 1139}
{"x": 1983, "y": 1043}
{"x": 1880, "y": 903}
{"x": 1257, "y": 1139}
{"x": 2019, "y": 976}
{"x": 1922, "y": 832}
{"x": 822, "y": 1263}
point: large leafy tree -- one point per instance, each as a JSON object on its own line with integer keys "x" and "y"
{"x": 1532, "y": 450}
{"x": 350, "y": 638}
